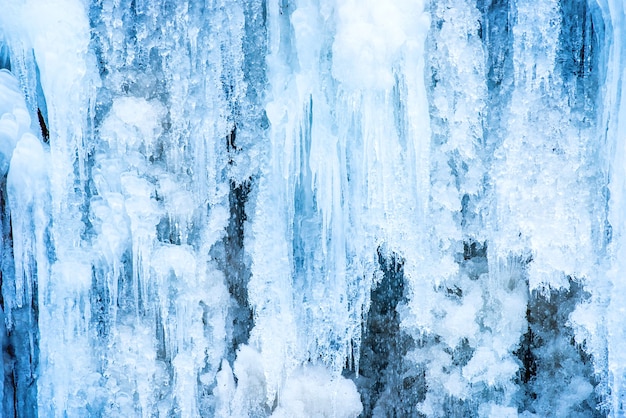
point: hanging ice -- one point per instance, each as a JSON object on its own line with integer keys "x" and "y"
{"x": 297, "y": 208}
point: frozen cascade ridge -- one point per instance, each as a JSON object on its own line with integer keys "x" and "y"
{"x": 312, "y": 208}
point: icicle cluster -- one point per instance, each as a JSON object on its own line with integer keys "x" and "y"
{"x": 312, "y": 208}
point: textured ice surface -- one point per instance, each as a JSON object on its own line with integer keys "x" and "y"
{"x": 325, "y": 208}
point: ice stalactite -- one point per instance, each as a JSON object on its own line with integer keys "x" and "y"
{"x": 138, "y": 195}
{"x": 172, "y": 92}
{"x": 310, "y": 283}
{"x": 24, "y": 227}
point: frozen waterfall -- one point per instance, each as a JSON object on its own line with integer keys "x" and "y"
{"x": 312, "y": 208}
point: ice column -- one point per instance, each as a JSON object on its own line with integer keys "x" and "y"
{"x": 340, "y": 179}
{"x": 464, "y": 339}
{"x": 172, "y": 84}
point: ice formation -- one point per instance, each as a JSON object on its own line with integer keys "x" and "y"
{"x": 324, "y": 208}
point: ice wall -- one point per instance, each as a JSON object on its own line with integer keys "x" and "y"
{"x": 312, "y": 208}
{"x": 614, "y": 116}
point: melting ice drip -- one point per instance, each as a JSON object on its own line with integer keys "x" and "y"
{"x": 296, "y": 208}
